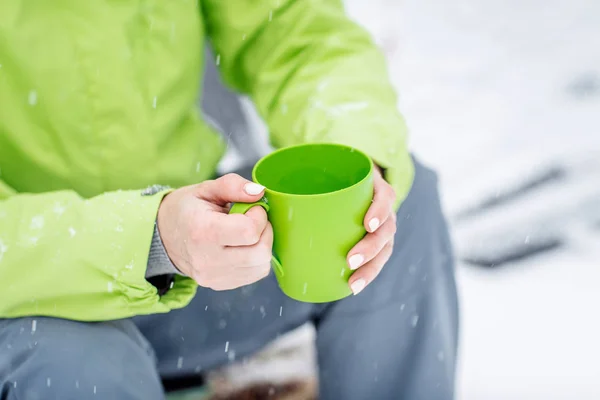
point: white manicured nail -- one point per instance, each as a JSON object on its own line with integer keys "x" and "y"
{"x": 374, "y": 224}
{"x": 358, "y": 286}
{"x": 253, "y": 188}
{"x": 356, "y": 261}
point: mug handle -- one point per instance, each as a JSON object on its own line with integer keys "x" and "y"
{"x": 242, "y": 208}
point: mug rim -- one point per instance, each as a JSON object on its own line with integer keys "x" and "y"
{"x": 283, "y": 149}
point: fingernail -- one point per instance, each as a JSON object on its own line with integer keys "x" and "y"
{"x": 356, "y": 261}
{"x": 253, "y": 188}
{"x": 374, "y": 224}
{"x": 357, "y": 286}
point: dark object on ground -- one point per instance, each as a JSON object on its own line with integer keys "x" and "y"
{"x": 552, "y": 175}
{"x": 301, "y": 390}
{"x": 552, "y": 209}
{"x": 182, "y": 383}
{"x": 585, "y": 85}
{"x": 514, "y": 253}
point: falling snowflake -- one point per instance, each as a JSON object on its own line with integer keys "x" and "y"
{"x": 226, "y": 347}
{"x": 32, "y": 98}
{"x": 3, "y": 249}
{"x": 414, "y": 321}
{"x": 58, "y": 209}
{"x": 180, "y": 363}
{"x": 72, "y": 231}
{"x": 172, "y": 31}
{"x": 37, "y": 222}
{"x": 322, "y": 86}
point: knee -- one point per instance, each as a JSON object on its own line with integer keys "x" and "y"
{"x": 51, "y": 358}
{"x": 422, "y": 206}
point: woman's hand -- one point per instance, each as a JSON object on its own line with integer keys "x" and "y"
{"x": 370, "y": 254}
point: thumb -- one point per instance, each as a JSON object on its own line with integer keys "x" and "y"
{"x": 231, "y": 188}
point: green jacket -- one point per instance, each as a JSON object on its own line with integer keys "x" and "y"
{"x": 98, "y": 101}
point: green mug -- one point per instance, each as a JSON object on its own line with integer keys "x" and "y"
{"x": 316, "y": 198}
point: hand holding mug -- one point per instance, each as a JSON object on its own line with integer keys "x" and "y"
{"x": 217, "y": 250}
{"x": 370, "y": 255}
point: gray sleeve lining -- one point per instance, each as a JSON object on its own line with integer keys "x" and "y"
{"x": 159, "y": 262}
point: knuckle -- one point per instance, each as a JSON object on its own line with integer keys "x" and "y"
{"x": 260, "y": 256}
{"x": 266, "y": 269}
{"x": 265, "y": 252}
{"x": 265, "y": 257}
{"x": 250, "y": 233}
{"x": 371, "y": 250}
{"x": 202, "y": 185}
{"x": 230, "y": 179}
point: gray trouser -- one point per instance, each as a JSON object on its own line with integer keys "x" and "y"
{"x": 396, "y": 340}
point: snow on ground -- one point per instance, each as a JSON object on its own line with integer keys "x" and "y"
{"x": 495, "y": 92}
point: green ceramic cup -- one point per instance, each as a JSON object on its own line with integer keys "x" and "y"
{"x": 316, "y": 198}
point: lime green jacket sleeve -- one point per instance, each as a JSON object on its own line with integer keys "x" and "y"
{"x": 314, "y": 75}
{"x": 80, "y": 259}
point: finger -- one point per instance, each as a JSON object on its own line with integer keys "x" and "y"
{"x": 384, "y": 198}
{"x": 368, "y": 248}
{"x": 230, "y": 188}
{"x": 365, "y": 275}
{"x": 258, "y": 254}
{"x": 238, "y": 229}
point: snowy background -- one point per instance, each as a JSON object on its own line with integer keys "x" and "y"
{"x": 503, "y": 99}
{"x": 499, "y": 95}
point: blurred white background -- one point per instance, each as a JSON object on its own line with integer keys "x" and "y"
{"x": 497, "y": 93}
